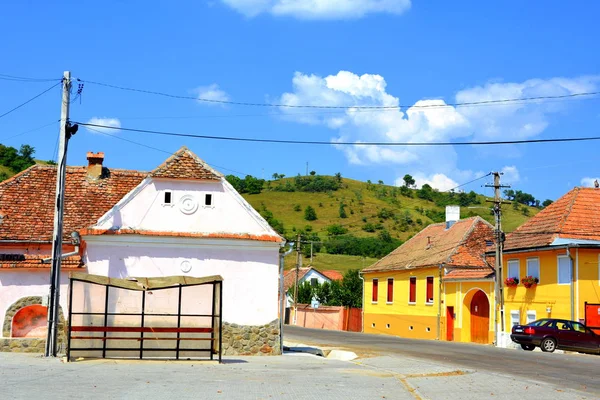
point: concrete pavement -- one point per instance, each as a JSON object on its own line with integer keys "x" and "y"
{"x": 563, "y": 371}
{"x": 296, "y": 376}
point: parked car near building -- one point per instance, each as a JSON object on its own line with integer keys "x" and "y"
{"x": 552, "y": 334}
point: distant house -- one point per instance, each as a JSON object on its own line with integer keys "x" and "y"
{"x": 305, "y": 274}
{"x": 183, "y": 218}
{"x": 560, "y": 248}
{"x": 437, "y": 285}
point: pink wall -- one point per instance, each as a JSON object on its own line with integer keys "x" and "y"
{"x": 324, "y": 317}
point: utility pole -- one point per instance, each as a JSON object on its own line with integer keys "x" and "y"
{"x": 298, "y": 262}
{"x": 499, "y": 236}
{"x": 61, "y": 170}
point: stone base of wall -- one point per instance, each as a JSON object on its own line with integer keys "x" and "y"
{"x": 243, "y": 340}
{"x": 21, "y": 345}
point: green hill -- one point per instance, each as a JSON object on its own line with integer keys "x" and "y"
{"x": 370, "y": 209}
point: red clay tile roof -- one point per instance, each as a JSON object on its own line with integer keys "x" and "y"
{"x": 27, "y": 200}
{"x": 333, "y": 275}
{"x": 289, "y": 277}
{"x": 469, "y": 274}
{"x": 576, "y": 215}
{"x": 30, "y": 261}
{"x": 462, "y": 245}
{"x": 241, "y": 236}
{"x": 185, "y": 165}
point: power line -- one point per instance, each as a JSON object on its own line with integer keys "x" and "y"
{"x": 157, "y": 149}
{"x": 30, "y": 100}
{"x": 31, "y": 130}
{"x": 474, "y": 180}
{"x": 26, "y": 79}
{"x": 309, "y": 142}
{"x": 240, "y": 103}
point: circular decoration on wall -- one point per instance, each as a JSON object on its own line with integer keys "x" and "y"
{"x": 188, "y": 204}
{"x": 186, "y": 266}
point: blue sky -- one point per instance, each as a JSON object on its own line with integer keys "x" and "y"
{"x": 342, "y": 53}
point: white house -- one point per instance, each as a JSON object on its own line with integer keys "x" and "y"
{"x": 183, "y": 218}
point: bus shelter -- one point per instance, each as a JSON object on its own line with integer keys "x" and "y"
{"x": 173, "y": 317}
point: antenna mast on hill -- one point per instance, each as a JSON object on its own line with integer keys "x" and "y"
{"x": 499, "y": 236}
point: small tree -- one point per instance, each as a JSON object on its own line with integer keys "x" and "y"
{"x": 336, "y": 229}
{"x": 409, "y": 181}
{"x": 313, "y": 173}
{"x": 310, "y": 214}
{"x": 297, "y": 208}
{"x": 343, "y": 210}
{"x": 547, "y": 202}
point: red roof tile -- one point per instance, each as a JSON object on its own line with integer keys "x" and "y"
{"x": 576, "y": 215}
{"x": 333, "y": 275}
{"x": 185, "y": 165}
{"x": 27, "y": 200}
{"x": 30, "y": 261}
{"x": 469, "y": 274}
{"x": 462, "y": 245}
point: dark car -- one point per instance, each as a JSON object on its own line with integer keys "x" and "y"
{"x": 552, "y": 334}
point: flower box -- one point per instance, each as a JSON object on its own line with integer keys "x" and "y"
{"x": 511, "y": 282}
{"x": 529, "y": 281}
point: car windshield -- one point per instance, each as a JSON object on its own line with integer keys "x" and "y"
{"x": 540, "y": 322}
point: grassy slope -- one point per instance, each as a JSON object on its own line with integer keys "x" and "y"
{"x": 281, "y": 204}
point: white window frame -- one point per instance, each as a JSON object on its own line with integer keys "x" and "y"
{"x": 558, "y": 258}
{"x": 372, "y": 290}
{"x": 427, "y": 302}
{"x": 387, "y": 288}
{"x": 213, "y": 199}
{"x": 172, "y": 203}
{"x": 416, "y": 297}
{"x": 515, "y": 314}
{"x": 508, "y": 265}
{"x": 539, "y": 267}
{"x": 529, "y": 314}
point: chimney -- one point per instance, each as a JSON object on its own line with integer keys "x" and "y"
{"x": 94, "y": 169}
{"x": 452, "y": 215}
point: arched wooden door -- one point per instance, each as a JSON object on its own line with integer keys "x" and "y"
{"x": 480, "y": 318}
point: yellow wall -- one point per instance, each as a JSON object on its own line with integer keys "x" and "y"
{"x": 400, "y": 318}
{"x": 548, "y": 294}
{"x": 459, "y": 296}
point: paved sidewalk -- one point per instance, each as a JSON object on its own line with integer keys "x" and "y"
{"x": 292, "y": 376}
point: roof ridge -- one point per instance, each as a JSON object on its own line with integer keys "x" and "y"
{"x": 162, "y": 168}
{"x": 567, "y": 212}
{"x": 463, "y": 240}
{"x": 19, "y": 174}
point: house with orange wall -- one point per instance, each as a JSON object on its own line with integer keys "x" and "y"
{"x": 560, "y": 248}
{"x": 437, "y": 285}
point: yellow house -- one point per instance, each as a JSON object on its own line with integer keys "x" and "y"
{"x": 437, "y": 285}
{"x": 560, "y": 247}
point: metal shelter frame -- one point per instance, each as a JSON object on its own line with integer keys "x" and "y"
{"x": 86, "y": 332}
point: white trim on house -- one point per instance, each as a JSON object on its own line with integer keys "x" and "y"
{"x": 179, "y": 242}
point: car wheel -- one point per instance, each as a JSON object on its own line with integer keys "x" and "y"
{"x": 528, "y": 347}
{"x": 548, "y": 345}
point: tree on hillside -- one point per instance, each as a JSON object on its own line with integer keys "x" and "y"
{"x": 547, "y": 202}
{"x": 275, "y": 176}
{"x": 409, "y": 181}
{"x": 343, "y": 210}
{"x": 17, "y": 160}
{"x": 336, "y": 229}
{"x": 338, "y": 177}
{"x": 313, "y": 173}
{"x": 310, "y": 214}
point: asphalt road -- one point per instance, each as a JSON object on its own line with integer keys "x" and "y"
{"x": 575, "y": 371}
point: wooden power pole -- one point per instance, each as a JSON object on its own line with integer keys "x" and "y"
{"x": 499, "y": 237}
{"x": 298, "y": 262}
{"x": 54, "y": 299}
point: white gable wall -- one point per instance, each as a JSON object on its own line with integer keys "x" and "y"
{"x": 306, "y": 278}
{"x": 144, "y": 209}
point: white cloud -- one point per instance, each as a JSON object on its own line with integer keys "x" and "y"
{"x": 437, "y": 181}
{"x": 319, "y": 9}
{"x": 589, "y": 182}
{"x": 211, "y": 94}
{"x": 427, "y": 120}
{"x": 113, "y": 122}
{"x": 511, "y": 174}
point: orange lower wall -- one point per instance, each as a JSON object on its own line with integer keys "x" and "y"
{"x": 408, "y": 326}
